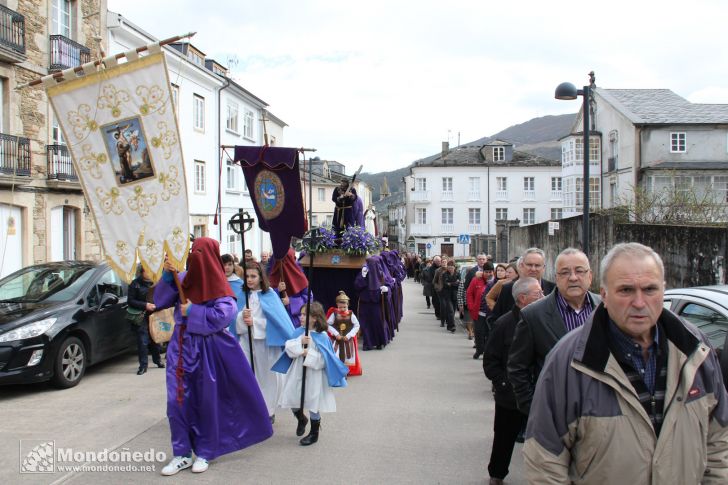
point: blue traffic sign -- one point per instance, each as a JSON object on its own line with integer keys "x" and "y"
{"x": 464, "y": 239}
{"x": 429, "y": 246}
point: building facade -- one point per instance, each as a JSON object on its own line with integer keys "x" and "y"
{"x": 650, "y": 140}
{"x": 461, "y": 193}
{"x": 43, "y": 215}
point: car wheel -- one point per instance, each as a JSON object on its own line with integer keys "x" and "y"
{"x": 70, "y": 363}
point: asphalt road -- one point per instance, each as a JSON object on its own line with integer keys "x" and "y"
{"x": 421, "y": 413}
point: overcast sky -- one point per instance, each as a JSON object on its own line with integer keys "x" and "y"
{"x": 383, "y": 83}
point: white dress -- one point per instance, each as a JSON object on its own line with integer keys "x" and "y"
{"x": 264, "y": 357}
{"x": 319, "y": 396}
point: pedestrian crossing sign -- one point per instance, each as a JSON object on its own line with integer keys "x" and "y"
{"x": 464, "y": 239}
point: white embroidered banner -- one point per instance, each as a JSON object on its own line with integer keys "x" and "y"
{"x": 121, "y": 130}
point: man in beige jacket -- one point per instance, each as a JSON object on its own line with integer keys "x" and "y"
{"x": 633, "y": 396}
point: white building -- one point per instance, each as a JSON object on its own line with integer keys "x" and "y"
{"x": 464, "y": 191}
{"x": 212, "y": 111}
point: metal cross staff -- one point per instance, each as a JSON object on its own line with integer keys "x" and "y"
{"x": 238, "y": 225}
{"x": 311, "y": 241}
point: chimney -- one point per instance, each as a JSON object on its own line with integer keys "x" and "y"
{"x": 445, "y": 148}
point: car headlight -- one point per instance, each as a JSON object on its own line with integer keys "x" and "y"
{"x": 29, "y": 330}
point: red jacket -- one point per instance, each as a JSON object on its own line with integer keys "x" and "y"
{"x": 474, "y": 295}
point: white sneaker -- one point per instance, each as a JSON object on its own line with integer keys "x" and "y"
{"x": 178, "y": 463}
{"x": 200, "y": 465}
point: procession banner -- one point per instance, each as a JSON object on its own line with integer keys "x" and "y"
{"x": 121, "y": 130}
{"x": 274, "y": 182}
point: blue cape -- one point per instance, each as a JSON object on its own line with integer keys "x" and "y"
{"x": 237, "y": 287}
{"x": 335, "y": 369}
{"x": 279, "y": 327}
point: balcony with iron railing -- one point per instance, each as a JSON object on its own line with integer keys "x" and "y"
{"x": 67, "y": 53}
{"x": 60, "y": 165}
{"x": 447, "y": 195}
{"x": 12, "y": 35}
{"x": 529, "y": 195}
{"x": 473, "y": 196}
{"x": 473, "y": 228}
{"x": 556, "y": 195}
{"x": 14, "y": 158}
{"x": 501, "y": 195}
{"x": 447, "y": 229}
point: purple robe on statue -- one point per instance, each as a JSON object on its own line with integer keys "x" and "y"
{"x": 344, "y": 211}
{"x": 222, "y": 410}
{"x": 373, "y": 307}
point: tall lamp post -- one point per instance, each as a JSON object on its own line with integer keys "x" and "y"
{"x": 568, "y": 91}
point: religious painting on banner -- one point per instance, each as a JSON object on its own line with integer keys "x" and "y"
{"x": 273, "y": 179}
{"x": 120, "y": 126}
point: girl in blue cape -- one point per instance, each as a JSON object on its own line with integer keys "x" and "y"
{"x": 324, "y": 371}
{"x": 271, "y": 327}
{"x": 213, "y": 403}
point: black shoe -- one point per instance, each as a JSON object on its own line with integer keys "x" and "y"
{"x": 142, "y": 370}
{"x": 451, "y": 329}
{"x": 521, "y": 437}
{"x": 159, "y": 364}
{"x": 442, "y": 324}
{"x": 312, "y": 436}
{"x": 476, "y": 355}
{"x": 379, "y": 347}
{"x": 302, "y": 422}
{"x": 272, "y": 419}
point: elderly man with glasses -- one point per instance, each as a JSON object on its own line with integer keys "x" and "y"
{"x": 543, "y": 323}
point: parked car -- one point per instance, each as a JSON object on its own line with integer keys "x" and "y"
{"x": 56, "y": 319}
{"x": 707, "y": 308}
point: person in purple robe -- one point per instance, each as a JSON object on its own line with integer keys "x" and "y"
{"x": 372, "y": 285}
{"x": 398, "y": 273}
{"x": 214, "y": 404}
{"x": 388, "y": 296}
{"x": 348, "y": 210}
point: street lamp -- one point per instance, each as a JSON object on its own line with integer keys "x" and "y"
{"x": 568, "y": 91}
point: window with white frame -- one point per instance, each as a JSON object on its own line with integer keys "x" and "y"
{"x": 447, "y": 184}
{"x": 556, "y": 184}
{"x": 321, "y": 195}
{"x": 474, "y": 188}
{"x": 556, "y": 213}
{"x": 231, "y": 123}
{"x": 473, "y": 216}
{"x": 248, "y": 124}
{"x": 200, "y": 177}
{"x": 421, "y": 215}
{"x": 61, "y": 18}
{"x": 501, "y": 213}
{"x": 501, "y": 183}
{"x": 529, "y": 184}
{"x": 198, "y": 112}
{"x": 233, "y": 242}
{"x": 529, "y": 216}
{"x": 199, "y": 230}
{"x": 329, "y": 220}
{"x": 447, "y": 215}
{"x": 232, "y": 176}
{"x": 314, "y": 220}
{"x": 499, "y": 154}
{"x": 677, "y": 142}
{"x": 420, "y": 184}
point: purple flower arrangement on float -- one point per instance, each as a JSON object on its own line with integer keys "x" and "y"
{"x": 357, "y": 241}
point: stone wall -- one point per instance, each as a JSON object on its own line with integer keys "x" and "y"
{"x": 693, "y": 255}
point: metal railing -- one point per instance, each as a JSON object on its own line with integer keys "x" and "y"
{"x": 473, "y": 228}
{"x": 420, "y": 229}
{"x": 12, "y": 29}
{"x": 447, "y": 195}
{"x": 66, "y": 53}
{"x": 447, "y": 228}
{"x": 60, "y": 165}
{"x": 501, "y": 195}
{"x": 420, "y": 196}
{"x": 14, "y": 155}
{"x": 529, "y": 195}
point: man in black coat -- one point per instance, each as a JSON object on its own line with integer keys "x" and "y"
{"x": 508, "y": 420}
{"x": 428, "y": 277}
{"x": 531, "y": 264}
{"x": 544, "y": 323}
